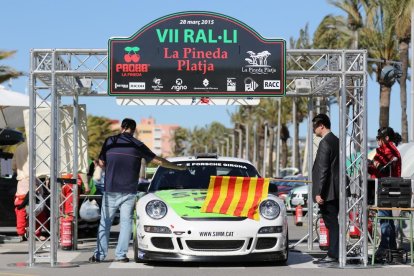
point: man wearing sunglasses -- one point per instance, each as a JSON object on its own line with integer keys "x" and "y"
{"x": 325, "y": 183}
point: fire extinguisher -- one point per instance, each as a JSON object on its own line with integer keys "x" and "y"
{"x": 354, "y": 226}
{"x": 354, "y": 231}
{"x": 323, "y": 235}
{"x": 66, "y": 230}
{"x": 299, "y": 215}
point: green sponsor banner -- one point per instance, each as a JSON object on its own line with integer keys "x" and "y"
{"x": 187, "y": 203}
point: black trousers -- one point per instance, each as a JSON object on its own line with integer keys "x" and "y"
{"x": 330, "y": 211}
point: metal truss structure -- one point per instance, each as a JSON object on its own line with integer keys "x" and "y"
{"x": 57, "y": 73}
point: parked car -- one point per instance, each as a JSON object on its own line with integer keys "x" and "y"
{"x": 171, "y": 227}
{"x": 284, "y": 187}
{"x": 297, "y": 196}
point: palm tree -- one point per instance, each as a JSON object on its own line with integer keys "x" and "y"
{"x": 199, "y": 141}
{"x": 7, "y": 72}
{"x": 379, "y": 40}
{"x": 303, "y": 42}
{"x": 332, "y": 33}
{"x": 402, "y": 14}
{"x": 355, "y": 20}
{"x": 180, "y": 138}
{"x": 372, "y": 25}
{"x": 99, "y": 128}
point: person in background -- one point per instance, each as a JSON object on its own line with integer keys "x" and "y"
{"x": 386, "y": 163}
{"x": 97, "y": 174}
{"x": 20, "y": 166}
{"x": 121, "y": 157}
{"x": 325, "y": 186}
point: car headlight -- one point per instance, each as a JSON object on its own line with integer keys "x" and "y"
{"x": 269, "y": 209}
{"x": 156, "y": 209}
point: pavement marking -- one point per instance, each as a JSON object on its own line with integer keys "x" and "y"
{"x": 303, "y": 265}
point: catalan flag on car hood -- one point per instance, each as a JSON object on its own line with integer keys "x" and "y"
{"x": 236, "y": 196}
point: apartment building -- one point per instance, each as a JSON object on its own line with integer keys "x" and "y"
{"x": 159, "y": 138}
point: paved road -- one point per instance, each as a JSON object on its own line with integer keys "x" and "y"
{"x": 13, "y": 258}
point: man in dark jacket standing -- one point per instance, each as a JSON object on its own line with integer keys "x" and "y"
{"x": 121, "y": 156}
{"x": 325, "y": 180}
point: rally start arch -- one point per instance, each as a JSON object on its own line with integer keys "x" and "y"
{"x": 74, "y": 73}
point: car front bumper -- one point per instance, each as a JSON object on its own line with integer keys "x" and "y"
{"x": 147, "y": 256}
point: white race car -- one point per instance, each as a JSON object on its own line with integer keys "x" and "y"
{"x": 170, "y": 227}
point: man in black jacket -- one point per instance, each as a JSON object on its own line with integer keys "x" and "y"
{"x": 325, "y": 180}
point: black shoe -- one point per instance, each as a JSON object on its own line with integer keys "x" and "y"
{"x": 123, "y": 260}
{"x": 93, "y": 259}
{"x": 326, "y": 260}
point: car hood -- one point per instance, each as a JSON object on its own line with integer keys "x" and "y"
{"x": 187, "y": 203}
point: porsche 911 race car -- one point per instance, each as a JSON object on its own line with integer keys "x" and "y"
{"x": 171, "y": 227}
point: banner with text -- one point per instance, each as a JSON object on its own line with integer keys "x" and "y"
{"x": 197, "y": 54}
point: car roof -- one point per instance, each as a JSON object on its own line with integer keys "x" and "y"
{"x": 208, "y": 159}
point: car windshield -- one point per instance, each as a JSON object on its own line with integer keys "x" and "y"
{"x": 198, "y": 174}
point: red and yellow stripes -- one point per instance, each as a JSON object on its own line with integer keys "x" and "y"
{"x": 236, "y": 196}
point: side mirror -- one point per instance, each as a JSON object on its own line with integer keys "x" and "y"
{"x": 143, "y": 186}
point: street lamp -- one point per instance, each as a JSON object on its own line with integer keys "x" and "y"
{"x": 279, "y": 115}
{"x": 233, "y": 146}
{"x": 222, "y": 147}
{"x": 264, "y": 149}
{"x": 246, "y": 126}
{"x": 255, "y": 144}
{"x": 227, "y": 145}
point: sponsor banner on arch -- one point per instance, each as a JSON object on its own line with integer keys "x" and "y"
{"x": 196, "y": 54}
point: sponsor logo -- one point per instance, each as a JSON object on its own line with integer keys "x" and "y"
{"x": 271, "y": 84}
{"x": 137, "y": 85}
{"x": 257, "y": 63}
{"x": 250, "y": 84}
{"x": 121, "y": 85}
{"x": 231, "y": 84}
{"x": 131, "y": 54}
{"x": 130, "y": 66}
{"x": 179, "y": 85}
{"x": 206, "y": 82}
{"x": 157, "y": 84}
{"x": 216, "y": 234}
{"x": 206, "y": 86}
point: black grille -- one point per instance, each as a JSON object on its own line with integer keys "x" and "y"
{"x": 212, "y": 245}
{"x": 266, "y": 243}
{"x": 162, "y": 243}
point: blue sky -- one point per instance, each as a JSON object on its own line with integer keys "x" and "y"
{"x": 89, "y": 24}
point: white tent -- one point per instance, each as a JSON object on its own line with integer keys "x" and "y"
{"x": 407, "y": 160}
{"x": 12, "y": 105}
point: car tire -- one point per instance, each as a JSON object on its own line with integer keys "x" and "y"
{"x": 284, "y": 261}
{"x": 135, "y": 245}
